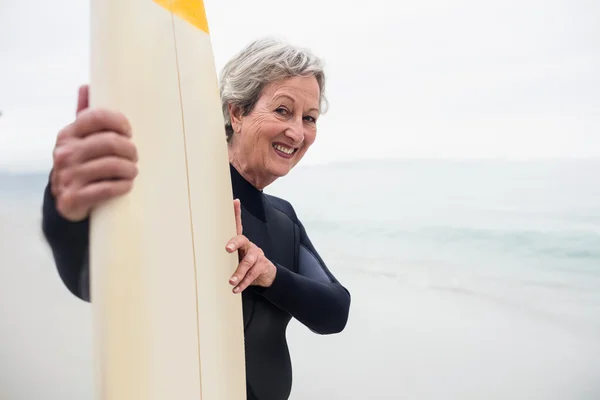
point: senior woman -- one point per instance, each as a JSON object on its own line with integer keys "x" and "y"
{"x": 272, "y": 96}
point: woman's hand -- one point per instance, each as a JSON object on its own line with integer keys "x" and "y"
{"x": 94, "y": 160}
{"x": 254, "y": 268}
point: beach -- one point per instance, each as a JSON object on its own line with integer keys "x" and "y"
{"x": 469, "y": 280}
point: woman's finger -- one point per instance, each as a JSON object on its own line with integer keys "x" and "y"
{"x": 102, "y": 144}
{"x": 93, "y": 120}
{"x": 75, "y": 204}
{"x": 245, "y": 265}
{"x": 106, "y": 168}
{"x": 236, "y": 243}
{"x": 105, "y": 144}
{"x": 83, "y": 98}
{"x": 237, "y": 209}
{"x": 249, "y": 277}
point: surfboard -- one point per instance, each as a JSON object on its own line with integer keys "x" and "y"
{"x": 166, "y": 323}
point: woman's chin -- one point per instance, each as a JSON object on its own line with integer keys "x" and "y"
{"x": 281, "y": 170}
{"x": 281, "y": 167}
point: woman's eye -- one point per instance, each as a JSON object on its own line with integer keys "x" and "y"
{"x": 282, "y": 111}
{"x": 310, "y": 119}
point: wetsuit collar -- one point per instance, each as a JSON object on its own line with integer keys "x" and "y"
{"x": 251, "y": 198}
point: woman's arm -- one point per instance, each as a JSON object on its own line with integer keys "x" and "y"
{"x": 69, "y": 243}
{"x": 312, "y": 295}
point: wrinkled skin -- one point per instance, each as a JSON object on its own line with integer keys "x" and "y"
{"x": 286, "y": 113}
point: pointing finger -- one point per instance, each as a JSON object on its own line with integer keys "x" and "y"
{"x": 237, "y": 208}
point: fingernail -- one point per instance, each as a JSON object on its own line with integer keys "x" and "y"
{"x": 230, "y": 246}
{"x": 233, "y": 279}
{"x": 236, "y": 290}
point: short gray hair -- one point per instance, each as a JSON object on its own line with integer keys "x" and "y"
{"x": 263, "y": 61}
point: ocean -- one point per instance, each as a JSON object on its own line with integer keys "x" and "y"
{"x": 470, "y": 279}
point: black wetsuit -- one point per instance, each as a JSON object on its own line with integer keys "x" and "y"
{"x": 303, "y": 288}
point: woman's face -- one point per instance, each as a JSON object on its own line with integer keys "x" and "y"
{"x": 274, "y": 137}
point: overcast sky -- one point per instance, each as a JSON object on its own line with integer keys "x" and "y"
{"x": 427, "y": 78}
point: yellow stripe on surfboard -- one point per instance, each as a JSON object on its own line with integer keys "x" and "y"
{"x": 190, "y": 10}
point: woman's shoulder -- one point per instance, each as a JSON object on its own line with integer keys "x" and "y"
{"x": 282, "y": 205}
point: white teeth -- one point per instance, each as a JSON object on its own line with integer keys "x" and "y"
{"x": 283, "y": 149}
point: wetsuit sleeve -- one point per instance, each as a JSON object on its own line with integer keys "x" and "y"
{"x": 312, "y": 295}
{"x": 69, "y": 245}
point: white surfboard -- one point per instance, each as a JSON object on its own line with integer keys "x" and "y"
{"x": 166, "y": 323}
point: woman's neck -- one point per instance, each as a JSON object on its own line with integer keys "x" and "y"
{"x": 254, "y": 178}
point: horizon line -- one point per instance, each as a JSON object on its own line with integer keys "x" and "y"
{"x": 45, "y": 170}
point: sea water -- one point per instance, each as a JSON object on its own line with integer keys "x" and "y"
{"x": 469, "y": 280}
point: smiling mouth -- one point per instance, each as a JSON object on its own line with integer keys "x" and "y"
{"x": 284, "y": 151}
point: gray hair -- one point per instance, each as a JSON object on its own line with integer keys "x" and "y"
{"x": 260, "y": 63}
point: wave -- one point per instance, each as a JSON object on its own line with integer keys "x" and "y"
{"x": 541, "y": 243}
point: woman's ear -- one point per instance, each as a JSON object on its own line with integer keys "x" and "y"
{"x": 235, "y": 114}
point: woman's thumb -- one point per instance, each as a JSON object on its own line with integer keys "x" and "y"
{"x": 83, "y": 98}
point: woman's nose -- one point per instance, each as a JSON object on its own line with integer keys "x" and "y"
{"x": 295, "y": 131}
